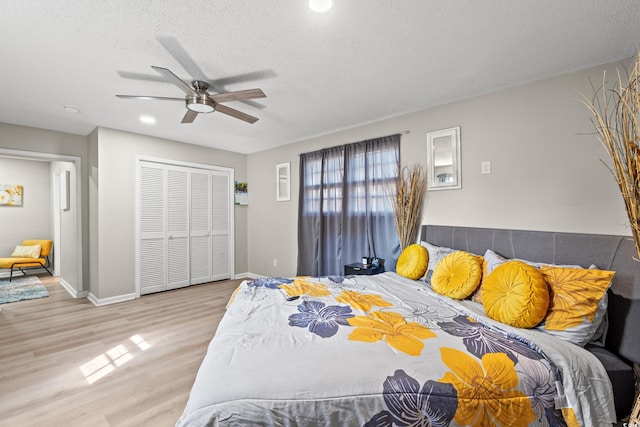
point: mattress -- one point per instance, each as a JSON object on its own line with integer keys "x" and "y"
{"x": 384, "y": 350}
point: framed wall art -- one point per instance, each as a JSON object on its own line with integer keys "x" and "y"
{"x": 242, "y": 194}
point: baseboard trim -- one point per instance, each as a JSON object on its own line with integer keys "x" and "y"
{"x": 72, "y": 291}
{"x": 111, "y": 300}
{"x": 127, "y": 297}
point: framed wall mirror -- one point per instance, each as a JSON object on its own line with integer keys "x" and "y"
{"x": 283, "y": 182}
{"x": 443, "y": 159}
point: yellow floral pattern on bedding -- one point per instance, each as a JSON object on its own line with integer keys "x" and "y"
{"x": 483, "y": 387}
{"x": 393, "y": 329}
{"x": 443, "y": 367}
{"x": 301, "y": 287}
{"x": 360, "y": 301}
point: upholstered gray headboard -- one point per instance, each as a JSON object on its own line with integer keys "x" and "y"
{"x": 605, "y": 251}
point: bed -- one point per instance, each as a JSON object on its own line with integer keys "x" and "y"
{"x": 385, "y": 350}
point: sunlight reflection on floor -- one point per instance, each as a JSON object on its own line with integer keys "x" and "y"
{"x": 104, "y": 364}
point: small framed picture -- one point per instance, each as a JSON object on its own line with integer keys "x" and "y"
{"x": 11, "y": 195}
{"x": 241, "y": 194}
{"x": 283, "y": 182}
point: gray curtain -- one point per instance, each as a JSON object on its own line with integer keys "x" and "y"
{"x": 344, "y": 209}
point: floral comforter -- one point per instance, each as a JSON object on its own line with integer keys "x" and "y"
{"x": 384, "y": 351}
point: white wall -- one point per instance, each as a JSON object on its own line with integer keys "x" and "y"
{"x": 547, "y": 172}
{"x": 32, "y": 220}
{"x": 112, "y": 159}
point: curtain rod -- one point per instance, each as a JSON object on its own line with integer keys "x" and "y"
{"x": 404, "y": 132}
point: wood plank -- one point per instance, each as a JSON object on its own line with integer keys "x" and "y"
{"x": 66, "y": 362}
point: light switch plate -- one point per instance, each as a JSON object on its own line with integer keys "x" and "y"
{"x": 485, "y": 168}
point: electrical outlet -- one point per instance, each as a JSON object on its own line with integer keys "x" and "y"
{"x": 485, "y": 168}
{"x": 275, "y": 262}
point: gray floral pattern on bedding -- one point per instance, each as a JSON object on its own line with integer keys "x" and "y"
{"x": 492, "y": 387}
{"x": 370, "y": 351}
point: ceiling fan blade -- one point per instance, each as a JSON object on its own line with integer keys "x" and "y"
{"x": 235, "y": 113}
{"x": 189, "y": 117}
{"x": 176, "y": 80}
{"x": 159, "y": 98}
{"x": 244, "y": 78}
{"x": 140, "y": 76}
{"x": 175, "y": 49}
{"x": 236, "y": 96}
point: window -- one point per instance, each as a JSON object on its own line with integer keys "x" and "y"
{"x": 345, "y": 206}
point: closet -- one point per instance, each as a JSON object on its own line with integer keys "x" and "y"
{"x": 185, "y": 225}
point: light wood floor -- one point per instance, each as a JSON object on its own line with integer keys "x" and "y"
{"x": 65, "y": 362}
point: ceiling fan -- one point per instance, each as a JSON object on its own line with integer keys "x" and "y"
{"x": 198, "y": 100}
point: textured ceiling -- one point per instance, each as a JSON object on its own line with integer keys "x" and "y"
{"x": 362, "y": 61}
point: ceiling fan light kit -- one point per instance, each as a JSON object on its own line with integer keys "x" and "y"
{"x": 198, "y": 100}
{"x": 200, "y": 104}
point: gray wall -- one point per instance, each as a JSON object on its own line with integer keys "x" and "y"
{"x": 33, "y": 219}
{"x": 113, "y": 205}
{"x": 272, "y": 225}
{"x": 92, "y": 189}
{"x": 546, "y": 164}
{"x": 547, "y": 172}
{"x": 32, "y": 140}
{"x": 67, "y": 249}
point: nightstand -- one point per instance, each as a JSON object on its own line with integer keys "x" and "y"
{"x": 359, "y": 269}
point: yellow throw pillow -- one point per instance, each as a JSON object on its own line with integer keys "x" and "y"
{"x": 575, "y": 295}
{"x": 26, "y": 251}
{"x": 457, "y": 275}
{"x": 490, "y": 261}
{"x": 413, "y": 262}
{"x": 516, "y": 294}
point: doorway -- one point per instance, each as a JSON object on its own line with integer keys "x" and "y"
{"x": 67, "y": 229}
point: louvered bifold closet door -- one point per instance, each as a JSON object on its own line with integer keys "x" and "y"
{"x": 177, "y": 227}
{"x": 153, "y": 238}
{"x": 220, "y": 225}
{"x": 200, "y": 227}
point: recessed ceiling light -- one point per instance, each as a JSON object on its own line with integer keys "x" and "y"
{"x": 320, "y": 5}
{"x": 70, "y": 109}
{"x": 148, "y": 120}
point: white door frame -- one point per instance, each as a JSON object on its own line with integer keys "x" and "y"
{"x": 77, "y": 161}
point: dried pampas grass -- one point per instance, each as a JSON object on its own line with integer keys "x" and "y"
{"x": 407, "y": 202}
{"x": 616, "y": 117}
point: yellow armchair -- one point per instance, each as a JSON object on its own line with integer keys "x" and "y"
{"x": 23, "y": 257}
